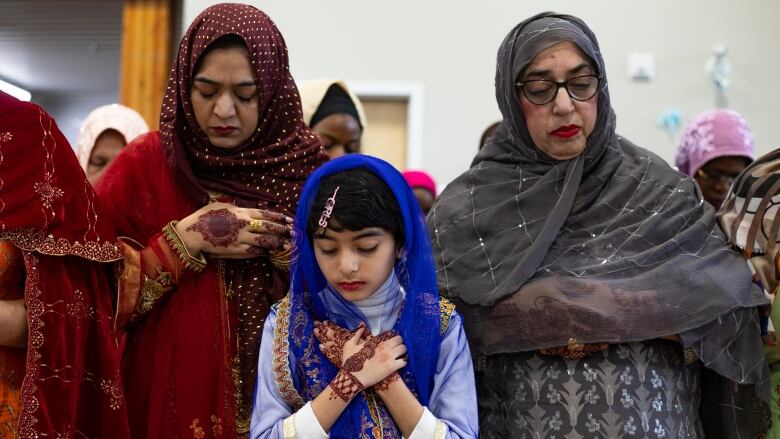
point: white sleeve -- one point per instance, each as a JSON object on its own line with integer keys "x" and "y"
{"x": 306, "y": 424}
{"x": 428, "y": 427}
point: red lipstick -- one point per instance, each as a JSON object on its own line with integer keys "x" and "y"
{"x": 566, "y": 131}
{"x": 350, "y": 286}
{"x": 223, "y": 130}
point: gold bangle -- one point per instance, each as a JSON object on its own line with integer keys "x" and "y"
{"x": 283, "y": 259}
{"x": 153, "y": 290}
{"x": 174, "y": 240}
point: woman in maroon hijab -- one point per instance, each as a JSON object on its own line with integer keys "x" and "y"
{"x": 59, "y": 358}
{"x": 205, "y": 203}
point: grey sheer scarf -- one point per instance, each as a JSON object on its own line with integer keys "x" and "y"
{"x": 612, "y": 246}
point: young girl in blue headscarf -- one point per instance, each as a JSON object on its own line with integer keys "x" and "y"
{"x": 363, "y": 345}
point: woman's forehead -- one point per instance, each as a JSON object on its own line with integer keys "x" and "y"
{"x": 567, "y": 52}
{"x": 351, "y": 235}
{"x": 567, "y": 47}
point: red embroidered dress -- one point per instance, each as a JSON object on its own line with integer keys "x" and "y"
{"x": 193, "y": 338}
{"x": 71, "y": 385}
{"x": 11, "y": 359}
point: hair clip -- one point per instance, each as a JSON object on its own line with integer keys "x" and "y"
{"x": 328, "y": 210}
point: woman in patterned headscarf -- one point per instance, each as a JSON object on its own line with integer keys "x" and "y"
{"x": 220, "y": 179}
{"x": 750, "y": 219}
{"x": 104, "y": 132}
{"x": 585, "y": 267}
{"x": 715, "y": 147}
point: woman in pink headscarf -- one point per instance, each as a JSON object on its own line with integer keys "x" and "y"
{"x": 424, "y": 188}
{"x": 715, "y": 147}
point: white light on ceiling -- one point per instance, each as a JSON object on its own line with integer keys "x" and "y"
{"x": 18, "y": 93}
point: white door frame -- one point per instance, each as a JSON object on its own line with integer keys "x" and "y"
{"x": 413, "y": 93}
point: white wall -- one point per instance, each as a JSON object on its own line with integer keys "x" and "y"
{"x": 69, "y": 109}
{"x": 450, "y": 48}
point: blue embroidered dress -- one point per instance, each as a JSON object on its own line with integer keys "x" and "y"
{"x": 451, "y": 412}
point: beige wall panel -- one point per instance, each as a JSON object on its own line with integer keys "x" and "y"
{"x": 386, "y": 132}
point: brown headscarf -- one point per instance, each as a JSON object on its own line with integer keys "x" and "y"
{"x": 283, "y": 151}
{"x": 750, "y": 219}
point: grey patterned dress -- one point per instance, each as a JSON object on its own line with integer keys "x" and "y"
{"x": 631, "y": 390}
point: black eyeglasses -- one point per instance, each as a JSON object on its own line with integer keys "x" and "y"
{"x": 543, "y": 91}
{"x": 716, "y": 177}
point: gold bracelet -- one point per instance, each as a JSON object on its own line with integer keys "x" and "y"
{"x": 174, "y": 240}
{"x": 153, "y": 290}
{"x": 283, "y": 259}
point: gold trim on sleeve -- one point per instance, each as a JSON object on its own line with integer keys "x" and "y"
{"x": 281, "y": 356}
{"x": 174, "y": 240}
{"x": 446, "y": 308}
{"x": 288, "y": 426}
{"x": 440, "y": 430}
{"x": 152, "y": 290}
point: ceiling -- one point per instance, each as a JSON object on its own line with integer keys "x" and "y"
{"x": 61, "y": 46}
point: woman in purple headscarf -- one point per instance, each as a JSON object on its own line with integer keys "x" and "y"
{"x": 716, "y": 146}
{"x": 594, "y": 284}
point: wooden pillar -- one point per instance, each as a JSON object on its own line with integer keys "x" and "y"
{"x": 147, "y": 34}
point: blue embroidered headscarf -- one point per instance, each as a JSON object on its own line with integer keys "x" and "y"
{"x": 418, "y": 324}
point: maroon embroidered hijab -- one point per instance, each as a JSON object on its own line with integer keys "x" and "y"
{"x": 283, "y": 151}
{"x": 191, "y": 363}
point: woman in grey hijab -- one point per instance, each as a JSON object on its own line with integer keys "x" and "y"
{"x": 597, "y": 290}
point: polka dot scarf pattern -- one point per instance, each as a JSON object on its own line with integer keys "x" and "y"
{"x": 268, "y": 170}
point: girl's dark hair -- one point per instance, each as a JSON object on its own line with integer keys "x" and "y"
{"x": 227, "y": 41}
{"x": 363, "y": 200}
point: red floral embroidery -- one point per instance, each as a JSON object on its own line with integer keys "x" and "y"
{"x": 47, "y": 191}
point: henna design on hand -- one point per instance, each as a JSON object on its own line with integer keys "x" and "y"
{"x": 272, "y": 228}
{"x": 333, "y": 345}
{"x": 269, "y": 215}
{"x": 355, "y": 363}
{"x": 345, "y": 386}
{"x": 269, "y": 242}
{"x": 219, "y": 227}
{"x": 254, "y": 250}
{"x": 385, "y": 383}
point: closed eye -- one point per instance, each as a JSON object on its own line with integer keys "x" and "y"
{"x": 98, "y": 161}
{"x": 329, "y": 251}
{"x": 367, "y": 251}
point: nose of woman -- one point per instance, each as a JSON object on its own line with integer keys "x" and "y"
{"x": 224, "y": 108}
{"x": 563, "y": 103}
